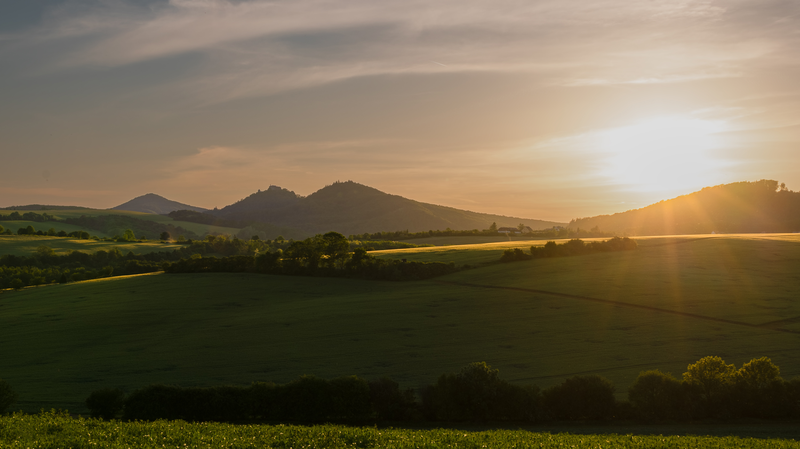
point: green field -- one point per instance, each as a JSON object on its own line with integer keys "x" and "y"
{"x": 663, "y": 306}
{"x": 44, "y": 226}
{"x": 198, "y": 228}
{"x": 57, "y": 431}
{"x": 24, "y": 245}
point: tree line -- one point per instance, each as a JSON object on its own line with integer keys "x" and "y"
{"x": 709, "y": 388}
{"x": 323, "y": 255}
{"x": 491, "y": 232}
{"x": 574, "y": 247}
{"x": 27, "y": 216}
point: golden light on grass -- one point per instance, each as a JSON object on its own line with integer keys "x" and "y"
{"x": 663, "y": 154}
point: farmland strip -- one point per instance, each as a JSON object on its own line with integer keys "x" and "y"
{"x": 624, "y": 304}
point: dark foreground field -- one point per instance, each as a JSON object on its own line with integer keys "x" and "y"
{"x": 663, "y": 306}
{"x": 54, "y": 431}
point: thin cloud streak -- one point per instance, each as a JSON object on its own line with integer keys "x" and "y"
{"x": 263, "y": 47}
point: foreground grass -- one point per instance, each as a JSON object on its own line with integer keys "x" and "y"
{"x": 50, "y": 430}
{"x": 663, "y": 306}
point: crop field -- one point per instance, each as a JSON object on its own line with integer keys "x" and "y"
{"x": 23, "y": 245}
{"x": 50, "y": 430}
{"x": 615, "y": 314}
{"x": 471, "y": 240}
{"x": 462, "y": 253}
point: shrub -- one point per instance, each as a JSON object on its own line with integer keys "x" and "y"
{"x": 581, "y": 397}
{"x": 106, "y": 403}
{"x": 656, "y": 396}
{"x": 477, "y": 393}
{"x": 154, "y": 402}
{"x": 711, "y": 378}
{"x": 758, "y": 390}
{"x": 389, "y": 402}
{"x": 513, "y": 255}
{"x": 7, "y": 396}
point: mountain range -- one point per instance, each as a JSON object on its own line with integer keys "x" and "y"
{"x": 352, "y": 208}
{"x": 346, "y": 207}
{"x": 155, "y": 204}
{"x": 740, "y": 207}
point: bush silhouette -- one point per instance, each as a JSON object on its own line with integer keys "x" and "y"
{"x": 581, "y": 397}
{"x": 106, "y": 403}
{"x": 656, "y": 396}
{"x": 7, "y": 396}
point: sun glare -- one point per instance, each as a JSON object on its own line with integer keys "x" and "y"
{"x": 663, "y": 154}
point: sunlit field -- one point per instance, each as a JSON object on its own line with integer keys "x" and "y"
{"x": 463, "y": 253}
{"x": 52, "y": 431}
{"x": 662, "y": 306}
{"x": 23, "y": 245}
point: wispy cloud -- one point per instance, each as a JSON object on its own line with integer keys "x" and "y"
{"x": 266, "y": 46}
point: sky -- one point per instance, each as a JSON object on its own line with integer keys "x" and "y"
{"x": 546, "y": 109}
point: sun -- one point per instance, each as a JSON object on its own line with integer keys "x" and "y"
{"x": 663, "y": 154}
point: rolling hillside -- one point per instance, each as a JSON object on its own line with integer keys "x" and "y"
{"x": 761, "y": 206}
{"x": 352, "y": 208}
{"x": 663, "y": 306}
{"x": 155, "y": 204}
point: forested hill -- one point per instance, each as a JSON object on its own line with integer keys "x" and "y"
{"x": 761, "y": 206}
{"x": 155, "y": 204}
{"x": 352, "y": 208}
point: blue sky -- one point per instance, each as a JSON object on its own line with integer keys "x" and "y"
{"x": 539, "y": 109}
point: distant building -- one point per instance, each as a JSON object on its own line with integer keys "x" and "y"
{"x": 508, "y": 231}
{"x": 527, "y": 230}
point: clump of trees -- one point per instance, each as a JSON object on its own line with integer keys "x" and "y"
{"x": 47, "y": 267}
{"x": 323, "y": 255}
{"x": 710, "y": 388}
{"x": 476, "y": 393}
{"x": 576, "y": 247}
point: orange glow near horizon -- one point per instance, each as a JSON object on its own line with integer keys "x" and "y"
{"x": 663, "y": 154}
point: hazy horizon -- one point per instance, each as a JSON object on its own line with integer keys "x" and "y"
{"x": 547, "y": 110}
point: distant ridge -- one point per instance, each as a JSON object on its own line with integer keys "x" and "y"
{"x": 740, "y": 207}
{"x": 43, "y": 207}
{"x": 352, "y": 208}
{"x": 155, "y": 204}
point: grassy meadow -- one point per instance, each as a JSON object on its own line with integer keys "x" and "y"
{"x": 663, "y": 306}
{"x": 23, "y": 245}
{"x": 50, "y": 430}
